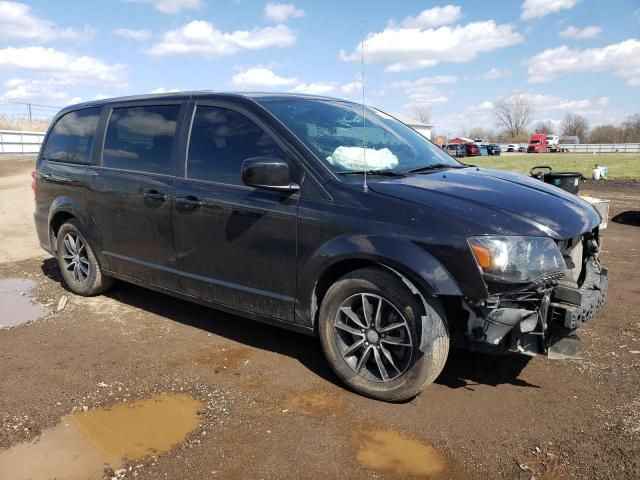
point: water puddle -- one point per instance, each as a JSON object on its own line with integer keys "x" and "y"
{"x": 84, "y": 443}
{"x": 313, "y": 403}
{"x": 16, "y": 304}
{"x": 394, "y": 453}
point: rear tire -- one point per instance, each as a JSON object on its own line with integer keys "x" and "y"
{"x": 78, "y": 265}
{"x": 379, "y": 338}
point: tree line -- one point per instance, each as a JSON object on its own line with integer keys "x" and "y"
{"x": 514, "y": 114}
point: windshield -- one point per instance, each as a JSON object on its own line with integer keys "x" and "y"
{"x": 534, "y": 141}
{"x": 335, "y": 132}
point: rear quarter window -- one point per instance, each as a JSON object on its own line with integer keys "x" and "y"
{"x": 72, "y": 136}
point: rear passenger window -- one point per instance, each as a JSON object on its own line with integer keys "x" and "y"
{"x": 141, "y": 138}
{"x": 72, "y": 136}
{"x": 220, "y": 140}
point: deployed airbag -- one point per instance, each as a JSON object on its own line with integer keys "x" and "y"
{"x": 353, "y": 158}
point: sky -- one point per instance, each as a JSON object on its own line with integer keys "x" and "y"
{"x": 456, "y": 59}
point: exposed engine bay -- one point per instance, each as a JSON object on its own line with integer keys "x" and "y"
{"x": 542, "y": 317}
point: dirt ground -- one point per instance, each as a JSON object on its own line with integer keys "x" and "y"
{"x": 273, "y": 409}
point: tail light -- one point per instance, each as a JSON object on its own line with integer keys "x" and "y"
{"x": 34, "y": 184}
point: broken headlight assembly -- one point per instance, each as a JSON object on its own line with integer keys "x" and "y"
{"x": 516, "y": 259}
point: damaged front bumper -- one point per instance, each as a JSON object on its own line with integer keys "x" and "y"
{"x": 538, "y": 319}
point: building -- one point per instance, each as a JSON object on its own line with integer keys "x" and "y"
{"x": 422, "y": 128}
{"x": 460, "y": 140}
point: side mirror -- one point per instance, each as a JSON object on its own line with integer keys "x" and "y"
{"x": 268, "y": 172}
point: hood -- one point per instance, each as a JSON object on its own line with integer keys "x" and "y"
{"x": 496, "y": 201}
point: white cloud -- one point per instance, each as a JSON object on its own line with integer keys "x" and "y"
{"x": 539, "y": 8}
{"x": 603, "y": 101}
{"x": 282, "y": 12}
{"x": 141, "y": 34}
{"x": 165, "y": 90}
{"x": 63, "y": 67}
{"x": 203, "y": 39}
{"x": 434, "y": 17}
{"x": 261, "y": 77}
{"x": 412, "y": 48}
{"x": 45, "y": 92}
{"x": 494, "y": 73}
{"x": 424, "y": 81}
{"x": 314, "y": 88}
{"x": 424, "y": 91}
{"x": 484, "y": 106}
{"x": 171, "y": 6}
{"x": 622, "y": 59}
{"x": 352, "y": 88}
{"x": 18, "y": 21}
{"x": 580, "y": 33}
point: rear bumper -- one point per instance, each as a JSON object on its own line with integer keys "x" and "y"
{"x": 42, "y": 229}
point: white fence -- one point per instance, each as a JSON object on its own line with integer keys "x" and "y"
{"x": 592, "y": 147}
{"x": 12, "y": 141}
{"x": 603, "y": 148}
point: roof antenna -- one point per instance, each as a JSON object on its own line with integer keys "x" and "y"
{"x": 364, "y": 118}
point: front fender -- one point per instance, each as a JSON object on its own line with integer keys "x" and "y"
{"x": 402, "y": 255}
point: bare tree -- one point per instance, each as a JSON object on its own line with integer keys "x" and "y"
{"x": 606, "y": 134}
{"x": 423, "y": 114}
{"x": 514, "y": 113}
{"x": 479, "y": 132}
{"x": 575, "y": 125}
{"x": 543, "y": 127}
{"x": 631, "y": 128}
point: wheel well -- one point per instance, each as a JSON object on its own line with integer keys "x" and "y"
{"x": 56, "y": 222}
{"x": 331, "y": 275}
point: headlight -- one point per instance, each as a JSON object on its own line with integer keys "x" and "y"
{"x": 516, "y": 259}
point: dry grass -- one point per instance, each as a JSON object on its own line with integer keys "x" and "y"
{"x": 13, "y": 123}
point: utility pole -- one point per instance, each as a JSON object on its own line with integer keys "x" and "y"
{"x": 29, "y": 109}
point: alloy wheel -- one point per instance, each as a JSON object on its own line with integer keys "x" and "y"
{"x": 373, "y": 337}
{"x": 75, "y": 257}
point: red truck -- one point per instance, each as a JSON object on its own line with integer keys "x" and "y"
{"x": 537, "y": 143}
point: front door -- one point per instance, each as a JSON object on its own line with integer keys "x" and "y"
{"x": 235, "y": 245}
{"x": 131, "y": 193}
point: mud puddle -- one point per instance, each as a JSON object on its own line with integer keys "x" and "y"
{"x": 16, "y": 305}
{"x": 83, "y": 444}
{"x": 398, "y": 455}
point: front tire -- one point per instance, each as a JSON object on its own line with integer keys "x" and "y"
{"x": 379, "y": 338}
{"x": 78, "y": 265}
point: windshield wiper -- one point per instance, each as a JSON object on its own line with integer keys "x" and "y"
{"x": 382, "y": 173}
{"x": 434, "y": 166}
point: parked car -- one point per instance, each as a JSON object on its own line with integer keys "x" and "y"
{"x": 457, "y": 150}
{"x": 473, "y": 149}
{"x": 484, "y": 151}
{"x": 522, "y": 149}
{"x": 512, "y": 147}
{"x": 258, "y": 204}
{"x": 494, "y": 149}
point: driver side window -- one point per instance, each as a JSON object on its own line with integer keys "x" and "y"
{"x": 221, "y": 139}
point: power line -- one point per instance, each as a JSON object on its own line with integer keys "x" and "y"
{"x": 32, "y": 104}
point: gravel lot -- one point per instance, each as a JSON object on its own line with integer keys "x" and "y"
{"x": 271, "y": 408}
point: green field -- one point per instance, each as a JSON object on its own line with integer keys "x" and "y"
{"x": 621, "y": 166}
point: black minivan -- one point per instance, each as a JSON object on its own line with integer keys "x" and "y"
{"x": 322, "y": 216}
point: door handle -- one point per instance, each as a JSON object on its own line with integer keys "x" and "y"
{"x": 155, "y": 195}
{"x": 51, "y": 178}
{"x": 188, "y": 203}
